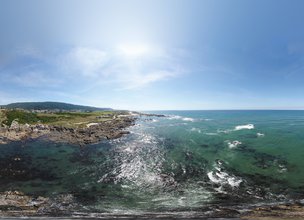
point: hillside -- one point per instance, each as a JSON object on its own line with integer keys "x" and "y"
{"x": 52, "y": 106}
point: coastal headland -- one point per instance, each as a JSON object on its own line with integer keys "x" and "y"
{"x": 71, "y": 127}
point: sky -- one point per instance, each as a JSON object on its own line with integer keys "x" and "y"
{"x": 154, "y": 55}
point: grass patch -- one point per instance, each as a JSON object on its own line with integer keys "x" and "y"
{"x": 67, "y": 119}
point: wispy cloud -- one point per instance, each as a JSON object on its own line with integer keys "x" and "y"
{"x": 139, "y": 81}
{"x": 71, "y": 73}
{"x": 84, "y": 60}
{"x": 119, "y": 69}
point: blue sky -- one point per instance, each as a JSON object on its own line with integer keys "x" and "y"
{"x": 159, "y": 54}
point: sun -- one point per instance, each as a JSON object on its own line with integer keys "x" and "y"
{"x": 133, "y": 50}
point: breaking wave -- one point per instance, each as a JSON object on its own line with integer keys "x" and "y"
{"x": 177, "y": 117}
{"x": 222, "y": 178}
{"x": 242, "y": 127}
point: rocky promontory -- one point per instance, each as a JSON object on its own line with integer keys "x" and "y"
{"x": 88, "y": 133}
{"x": 93, "y": 133}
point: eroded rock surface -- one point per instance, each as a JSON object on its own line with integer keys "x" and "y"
{"x": 91, "y": 134}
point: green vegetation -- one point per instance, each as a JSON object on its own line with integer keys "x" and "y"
{"x": 2, "y": 117}
{"x": 80, "y": 119}
{"x": 67, "y": 119}
{"x": 23, "y": 117}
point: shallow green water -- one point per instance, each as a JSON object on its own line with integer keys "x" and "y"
{"x": 183, "y": 162}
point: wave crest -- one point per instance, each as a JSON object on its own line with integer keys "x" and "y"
{"x": 243, "y": 127}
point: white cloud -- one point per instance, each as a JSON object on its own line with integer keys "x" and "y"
{"x": 136, "y": 68}
{"x": 85, "y": 60}
{"x": 138, "y": 81}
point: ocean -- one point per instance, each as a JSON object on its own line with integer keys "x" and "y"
{"x": 186, "y": 163}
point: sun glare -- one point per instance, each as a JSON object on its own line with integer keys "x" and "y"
{"x": 133, "y": 50}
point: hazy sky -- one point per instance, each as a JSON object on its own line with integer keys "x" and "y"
{"x": 154, "y": 54}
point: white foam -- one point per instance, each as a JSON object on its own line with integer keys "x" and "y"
{"x": 223, "y": 178}
{"x": 282, "y": 169}
{"x": 233, "y": 144}
{"x": 171, "y": 117}
{"x": 196, "y": 129}
{"x": 212, "y": 177}
{"x": 131, "y": 166}
{"x": 260, "y": 135}
{"x": 188, "y": 119}
{"x": 242, "y": 127}
{"x": 177, "y": 117}
{"x": 232, "y": 181}
{"x": 207, "y": 119}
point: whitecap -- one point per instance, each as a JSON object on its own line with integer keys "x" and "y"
{"x": 232, "y": 181}
{"x": 233, "y": 144}
{"x": 260, "y": 135}
{"x": 282, "y": 169}
{"x": 196, "y": 129}
{"x": 188, "y": 119}
{"x": 177, "y": 117}
{"x": 242, "y": 127}
{"x": 222, "y": 178}
{"x": 212, "y": 177}
{"x": 171, "y": 117}
{"x": 207, "y": 119}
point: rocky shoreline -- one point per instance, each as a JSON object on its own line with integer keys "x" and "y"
{"x": 17, "y": 204}
{"x": 93, "y": 133}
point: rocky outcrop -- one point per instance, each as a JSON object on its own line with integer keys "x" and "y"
{"x": 16, "y": 204}
{"x": 17, "y": 132}
{"x": 91, "y": 134}
{"x": 272, "y": 212}
{"x": 150, "y": 115}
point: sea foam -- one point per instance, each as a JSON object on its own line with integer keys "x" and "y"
{"x": 177, "y": 117}
{"x": 242, "y": 127}
{"x": 196, "y": 129}
{"x": 233, "y": 144}
{"x": 222, "y": 178}
{"x": 188, "y": 119}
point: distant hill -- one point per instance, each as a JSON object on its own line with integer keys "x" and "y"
{"x": 52, "y": 106}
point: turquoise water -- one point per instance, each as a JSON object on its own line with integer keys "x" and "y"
{"x": 187, "y": 161}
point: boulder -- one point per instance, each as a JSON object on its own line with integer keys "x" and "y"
{"x": 14, "y": 124}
